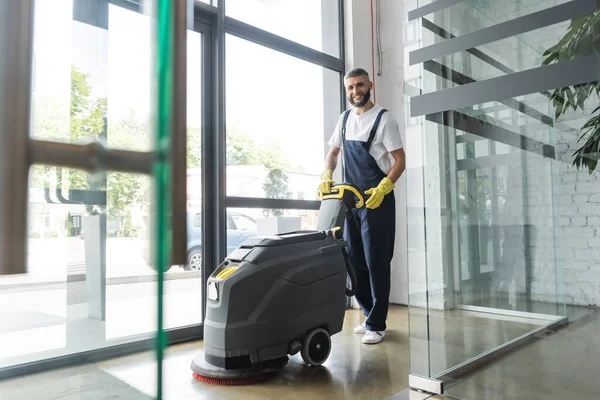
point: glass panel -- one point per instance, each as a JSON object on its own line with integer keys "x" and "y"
{"x": 510, "y": 229}
{"x": 312, "y": 23}
{"x": 492, "y": 60}
{"x": 417, "y": 259}
{"x": 100, "y": 88}
{"x": 504, "y": 243}
{"x": 244, "y": 223}
{"x": 73, "y": 298}
{"x": 89, "y": 283}
{"x": 268, "y": 153}
{"x": 471, "y": 15}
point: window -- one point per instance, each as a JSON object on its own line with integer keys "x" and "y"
{"x": 243, "y": 222}
{"x": 251, "y": 222}
{"x": 230, "y": 223}
{"x": 93, "y": 80}
{"x": 313, "y": 23}
{"x": 281, "y": 112}
{"x": 411, "y": 32}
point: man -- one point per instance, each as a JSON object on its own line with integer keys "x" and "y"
{"x": 373, "y": 160}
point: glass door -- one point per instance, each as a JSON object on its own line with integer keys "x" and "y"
{"x": 499, "y": 177}
{"x": 114, "y": 237}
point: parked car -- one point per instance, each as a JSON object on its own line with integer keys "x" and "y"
{"x": 239, "y": 228}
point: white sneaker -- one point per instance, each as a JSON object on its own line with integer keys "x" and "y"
{"x": 361, "y": 329}
{"x": 373, "y": 337}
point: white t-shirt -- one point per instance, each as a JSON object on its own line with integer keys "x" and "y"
{"x": 358, "y": 127}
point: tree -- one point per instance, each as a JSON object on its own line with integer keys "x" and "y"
{"x": 194, "y": 148}
{"x": 272, "y": 156}
{"x": 84, "y": 119}
{"x": 241, "y": 149}
{"x": 276, "y": 187}
{"x": 87, "y": 121}
{"x": 127, "y": 189}
{"x": 582, "y": 38}
{"x": 276, "y": 182}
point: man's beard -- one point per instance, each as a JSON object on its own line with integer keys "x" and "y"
{"x": 365, "y": 99}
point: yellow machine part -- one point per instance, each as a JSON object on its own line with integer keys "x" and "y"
{"x": 226, "y": 273}
{"x": 335, "y": 231}
{"x": 337, "y": 192}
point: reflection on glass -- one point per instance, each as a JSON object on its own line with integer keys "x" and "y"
{"x": 276, "y": 152}
{"x": 85, "y": 268}
{"x": 244, "y": 223}
{"x": 503, "y": 265}
{"x": 312, "y": 23}
{"x": 509, "y": 226}
{"x": 471, "y": 15}
{"x": 490, "y": 60}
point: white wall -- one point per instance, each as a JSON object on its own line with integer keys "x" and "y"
{"x": 389, "y": 94}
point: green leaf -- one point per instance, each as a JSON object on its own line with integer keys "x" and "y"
{"x": 592, "y": 165}
{"x": 571, "y": 97}
{"x": 554, "y": 56}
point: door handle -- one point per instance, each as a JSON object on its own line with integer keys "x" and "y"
{"x": 16, "y": 53}
{"x": 179, "y": 135}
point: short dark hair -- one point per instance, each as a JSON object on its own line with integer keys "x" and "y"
{"x": 356, "y": 72}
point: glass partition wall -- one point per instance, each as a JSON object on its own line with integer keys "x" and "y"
{"x": 497, "y": 95}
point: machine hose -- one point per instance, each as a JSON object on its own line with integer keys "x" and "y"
{"x": 351, "y": 273}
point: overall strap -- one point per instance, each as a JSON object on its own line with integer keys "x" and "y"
{"x": 367, "y": 145}
{"x": 346, "y": 115}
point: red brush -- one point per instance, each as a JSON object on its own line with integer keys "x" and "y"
{"x": 233, "y": 381}
{"x": 213, "y": 375}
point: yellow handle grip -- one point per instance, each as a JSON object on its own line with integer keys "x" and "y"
{"x": 337, "y": 192}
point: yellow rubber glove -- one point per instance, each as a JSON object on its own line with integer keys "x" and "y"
{"x": 378, "y": 193}
{"x": 326, "y": 181}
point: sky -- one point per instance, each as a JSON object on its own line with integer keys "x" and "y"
{"x": 272, "y": 96}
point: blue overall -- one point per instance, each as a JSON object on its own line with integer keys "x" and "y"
{"x": 370, "y": 234}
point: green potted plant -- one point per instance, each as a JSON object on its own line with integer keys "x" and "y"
{"x": 582, "y": 38}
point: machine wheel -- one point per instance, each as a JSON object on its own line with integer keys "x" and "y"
{"x": 316, "y": 347}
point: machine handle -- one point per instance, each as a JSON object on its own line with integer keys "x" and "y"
{"x": 338, "y": 190}
{"x": 179, "y": 135}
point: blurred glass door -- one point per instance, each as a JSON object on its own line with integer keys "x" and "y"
{"x": 92, "y": 284}
{"x": 502, "y": 212}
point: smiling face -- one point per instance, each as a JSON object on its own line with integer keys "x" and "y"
{"x": 358, "y": 90}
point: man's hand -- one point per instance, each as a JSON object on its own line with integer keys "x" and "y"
{"x": 378, "y": 193}
{"x": 326, "y": 181}
{"x": 330, "y": 164}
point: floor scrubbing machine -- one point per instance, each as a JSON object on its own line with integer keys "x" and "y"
{"x": 279, "y": 295}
